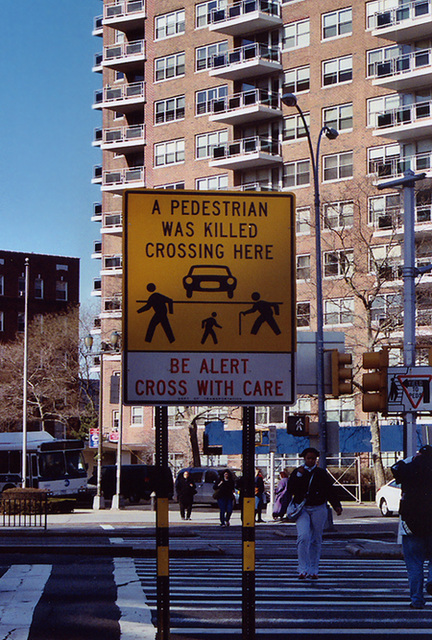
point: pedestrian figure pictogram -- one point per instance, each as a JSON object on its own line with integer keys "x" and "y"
{"x": 209, "y": 324}
{"x": 266, "y": 311}
{"x": 161, "y": 305}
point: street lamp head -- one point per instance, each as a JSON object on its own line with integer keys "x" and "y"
{"x": 331, "y": 133}
{"x": 115, "y": 339}
{"x": 88, "y": 341}
{"x": 289, "y": 99}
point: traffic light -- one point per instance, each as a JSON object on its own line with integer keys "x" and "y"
{"x": 375, "y": 384}
{"x": 341, "y": 375}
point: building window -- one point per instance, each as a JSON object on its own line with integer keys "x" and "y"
{"x": 385, "y": 306}
{"x": 20, "y": 322}
{"x": 112, "y": 262}
{"x": 385, "y": 262}
{"x": 1, "y": 320}
{"x": 376, "y": 58}
{"x": 21, "y": 285}
{"x": 384, "y": 211}
{"x": 294, "y": 128}
{"x": 62, "y": 267}
{"x": 172, "y": 152}
{"x": 61, "y": 291}
{"x": 297, "y": 80}
{"x": 1, "y": 285}
{"x": 303, "y": 314}
{"x": 303, "y": 222}
{"x": 378, "y": 106}
{"x": 39, "y": 288}
{"x": 337, "y": 23}
{"x": 212, "y": 183}
{"x": 384, "y": 160}
{"x": 203, "y": 12}
{"x": 303, "y": 267}
{"x": 204, "y": 99}
{"x": 137, "y": 416}
{"x": 169, "y": 109}
{"x": 206, "y": 142}
{"x": 170, "y": 67}
{"x": 337, "y": 71}
{"x": 338, "y": 263}
{"x": 172, "y": 186}
{"x": 296, "y": 174}
{"x": 339, "y": 117}
{"x": 339, "y": 311}
{"x": 338, "y": 166}
{"x": 170, "y": 24}
{"x": 338, "y": 215}
{"x": 340, "y": 410}
{"x": 296, "y": 35}
{"x": 204, "y": 55}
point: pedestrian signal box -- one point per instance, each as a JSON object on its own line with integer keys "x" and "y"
{"x": 298, "y": 425}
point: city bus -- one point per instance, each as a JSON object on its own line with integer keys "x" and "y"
{"x": 55, "y": 465}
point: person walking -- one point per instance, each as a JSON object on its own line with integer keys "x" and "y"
{"x": 281, "y": 497}
{"x": 185, "y": 489}
{"x": 224, "y": 491}
{"x": 415, "y": 477}
{"x": 314, "y": 484}
{"x": 259, "y": 495}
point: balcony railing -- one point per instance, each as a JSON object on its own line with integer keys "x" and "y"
{"x": 403, "y": 71}
{"x": 245, "y": 16}
{"x": 123, "y": 178}
{"x": 112, "y": 263}
{"x": 112, "y": 223}
{"x": 232, "y": 105}
{"x": 244, "y": 7}
{"x": 125, "y": 93}
{"x": 122, "y": 8}
{"x": 247, "y": 146}
{"x": 124, "y": 51}
{"x": 392, "y": 217}
{"x": 123, "y": 136}
{"x": 252, "y": 54}
{"x": 397, "y": 15}
{"x": 407, "y": 114}
{"x": 112, "y": 304}
{"x": 258, "y": 186}
{"x": 393, "y": 167}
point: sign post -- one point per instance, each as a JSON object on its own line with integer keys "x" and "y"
{"x": 209, "y": 292}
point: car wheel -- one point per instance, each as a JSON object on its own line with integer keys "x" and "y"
{"x": 385, "y": 511}
{"x": 189, "y": 293}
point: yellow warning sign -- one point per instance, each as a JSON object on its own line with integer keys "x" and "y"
{"x": 209, "y": 272}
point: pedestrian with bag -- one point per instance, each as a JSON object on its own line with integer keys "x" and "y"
{"x": 224, "y": 494}
{"x": 185, "y": 489}
{"x": 309, "y": 489}
{"x": 415, "y": 477}
{"x": 259, "y": 495}
{"x": 281, "y": 497}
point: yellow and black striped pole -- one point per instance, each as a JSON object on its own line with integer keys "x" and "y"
{"x": 248, "y": 525}
{"x": 162, "y": 525}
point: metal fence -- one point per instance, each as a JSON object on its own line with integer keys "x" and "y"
{"x": 24, "y": 508}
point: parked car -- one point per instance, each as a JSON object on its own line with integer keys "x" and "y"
{"x": 204, "y": 478}
{"x": 388, "y": 498}
{"x": 137, "y": 481}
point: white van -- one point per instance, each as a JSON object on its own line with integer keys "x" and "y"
{"x": 204, "y": 478}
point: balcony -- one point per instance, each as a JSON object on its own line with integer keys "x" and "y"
{"x": 121, "y": 139}
{"x": 97, "y": 174}
{"x": 124, "y": 14}
{"x": 112, "y": 306}
{"x": 97, "y": 139}
{"x": 407, "y": 122}
{"x": 97, "y": 26}
{"x": 123, "y": 98}
{"x": 112, "y": 223}
{"x": 390, "y": 221}
{"x": 97, "y": 212}
{"x": 248, "y": 106}
{"x": 396, "y": 166}
{"x": 247, "y": 16}
{"x": 124, "y": 56}
{"x": 97, "y": 287}
{"x": 97, "y": 250}
{"x": 406, "y": 23}
{"x": 112, "y": 266}
{"x": 245, "y": 62}
{"x": 97, "y": 65}
{"x": 247, "y": 153}
{"x": 412, "y": 70}
{"x": 259, "y": 186}
{"x": 120, "y": 179}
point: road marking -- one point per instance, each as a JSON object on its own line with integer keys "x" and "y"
{"x": 135, "y": 615}
{"x": 20, "y": 589}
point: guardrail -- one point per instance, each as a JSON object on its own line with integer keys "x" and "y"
{"x": 24, "y": 508}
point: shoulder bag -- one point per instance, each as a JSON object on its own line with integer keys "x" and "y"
{"x": 294, "y": 509}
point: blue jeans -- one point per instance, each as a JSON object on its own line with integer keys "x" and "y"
{"x": 310, "y": 526}
{"x": 226, "y": 506}
{"x": 417, "y": 550}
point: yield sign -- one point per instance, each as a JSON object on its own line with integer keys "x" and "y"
{"x": 416, "y": 388}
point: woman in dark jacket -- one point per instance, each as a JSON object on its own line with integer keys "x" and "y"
{"x": 224, "y": 489}
{"x": 316, "y": 485}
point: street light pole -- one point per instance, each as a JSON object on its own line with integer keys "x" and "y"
{"x": 290, "y": 100}
{"x": 25, "y": 374}
{"x": 115, "y": 504}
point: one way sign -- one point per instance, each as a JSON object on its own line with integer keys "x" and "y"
{"x": 409, "y": 389}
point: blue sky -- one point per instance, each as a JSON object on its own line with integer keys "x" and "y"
{"x": 47, "y": 124}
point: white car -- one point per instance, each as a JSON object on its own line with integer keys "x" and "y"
{"x": 388, "y": 498}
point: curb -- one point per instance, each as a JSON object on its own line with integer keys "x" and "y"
{"x": 367, "y": 549}
{"x": 113, "y": 551}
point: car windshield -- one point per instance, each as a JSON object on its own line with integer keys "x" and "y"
{"x": 52, "y": 465}
{"x": 206, "y": 269}
{"x": 75, "y": 465}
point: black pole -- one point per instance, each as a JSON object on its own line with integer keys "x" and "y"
{"x": 162, "y": 525}
{"x": 248, "y": 525}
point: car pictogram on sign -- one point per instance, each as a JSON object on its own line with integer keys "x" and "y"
{"x": 207, "y": 277}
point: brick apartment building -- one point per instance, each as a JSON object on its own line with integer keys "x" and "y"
{"x": 53, "y": 288}
{"x": 190, "y": 98}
